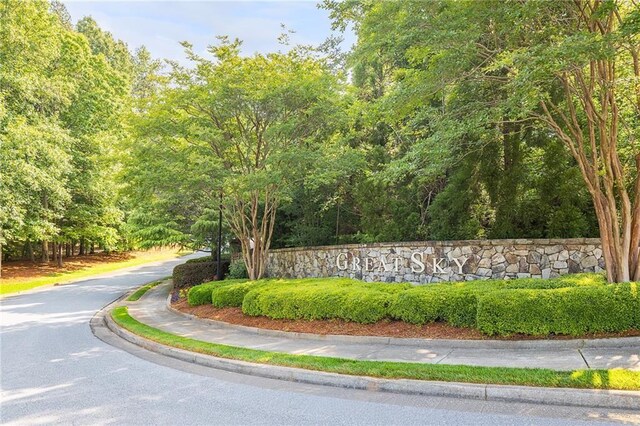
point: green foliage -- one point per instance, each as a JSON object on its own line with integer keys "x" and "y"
{"x": 457, "y": 303}
{"x": 572, "y": 310}
{"x": 458, "y": 212}
{"x": 589, "y": 379}
{"x": 201, "y": 294}
{"x": 434, "y": 136}
{"x": 572, "y": 304}
{"x": 454, "y": 142}
{"x": 190, "y": 274}
{"x": 309, "y": 299}
{"x": 238, "y": 270}
{"x": 232, "y": 295}
{"x": 424, "y": 305}
{"x": 60, "y": 119}
{"x": 203, "y": 259}
{"x": 247, "y": 126}
{"x": 141, "y": 291}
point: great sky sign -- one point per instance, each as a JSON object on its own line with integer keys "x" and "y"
{"x": 419, "y": 263}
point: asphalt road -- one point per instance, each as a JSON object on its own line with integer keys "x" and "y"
{"x": 54, "y": 370}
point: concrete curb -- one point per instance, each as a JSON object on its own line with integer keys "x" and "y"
{"x": 616, "y": 342}
{"x": 553, "y": 396}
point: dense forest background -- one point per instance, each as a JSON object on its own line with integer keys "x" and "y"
{"x": 397, "y": 139}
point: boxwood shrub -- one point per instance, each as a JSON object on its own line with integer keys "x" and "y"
{"x": 345, "y": 299}
{"x": 201, "y": 294}
{"x": 232, "y": 295}
{"x": 422, "y": 305}
{"x": 573, "y": 304}
{"x": 572, "y": 310}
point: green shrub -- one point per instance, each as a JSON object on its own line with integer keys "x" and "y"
{"x": 190, "y": 274}
{"x": 573, "y": 304}
{"x": 238, "y": 270}
{"x": 421, "y": 305}
{"x": 232, "y": 295}
{"x": 201, "y": 259}
{"x": 197, "y": 271}
{"x": 572, "y": 310}
{"x": 573, "y": 280}
{"x": 457, "y": 303}
{"x": 349, "y": 300}
{"x": 201, "y": 294}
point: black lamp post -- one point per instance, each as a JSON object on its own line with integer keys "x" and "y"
{"x": 219, "y": 268}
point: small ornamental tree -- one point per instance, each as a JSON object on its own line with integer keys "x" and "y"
{"x": 260, "y": 118}
{"x": 581, "y": 64}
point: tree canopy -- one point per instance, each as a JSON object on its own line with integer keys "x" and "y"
{"x": 446, "y": 120}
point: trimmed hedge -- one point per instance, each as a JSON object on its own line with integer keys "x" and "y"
{"x": 457, "y": 303}
{"x": 201, "y": 259}
{"x": 197, "y": 271}
{"x": 573, "y": 310}
{"x": 573, "y": 304}
{"x": 422, "y": 305}
{"x": 349, "y": 300}
{"x": 232, "y": 295}
{"x": 201, "y": 294}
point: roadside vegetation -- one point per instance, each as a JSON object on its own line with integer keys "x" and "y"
{"x": 569, "y": 305}
{"x": 143, "y": 290}
{"x": 445, "y": 120}
{"x": 36, "y": 278}
{"x": 618, "y": 379}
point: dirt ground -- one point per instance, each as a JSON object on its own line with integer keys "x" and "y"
{"x": 383, "y": 328}
{"x": 24, "y": 270}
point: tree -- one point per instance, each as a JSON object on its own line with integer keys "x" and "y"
{"x": 501, "y": 80}
{"x": 34, "y": 147}
{"x": 260, "y": 117}
{"x": 60, "y": 105}
{"x": 439, "y": 133}
{"x": 588, "y": 50}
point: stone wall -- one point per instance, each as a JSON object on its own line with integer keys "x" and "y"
{"x": 433, "y": 261}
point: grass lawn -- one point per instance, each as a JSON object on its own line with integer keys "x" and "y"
{"x": 586, "y": 379}
{"x": 36, "y": 277}
{"x": 142, "y": 290}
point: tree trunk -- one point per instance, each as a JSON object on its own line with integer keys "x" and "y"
{"x": 93, "y": 248}
{"x": 67, "y": 249}
{"x": 254, "y": 228}
{"x": 44, "y": 257}
{"x": 82, "y": 249}
{"x": 30, "y": 252}
{"x": 60, "y": 263}
{"x": 587, "y": 120}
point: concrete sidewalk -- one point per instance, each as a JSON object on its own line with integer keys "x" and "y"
{"x": 152, "y": 310}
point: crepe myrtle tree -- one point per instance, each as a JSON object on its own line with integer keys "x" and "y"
{"x": 261, "y": 118}
{"x": 569, "y": 68}
{"x": 588, "y": 51}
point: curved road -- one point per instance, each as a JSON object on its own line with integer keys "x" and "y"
{"x": 54, "y": 370}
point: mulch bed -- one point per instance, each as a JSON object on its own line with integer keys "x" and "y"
{"x": 385, "y": 328}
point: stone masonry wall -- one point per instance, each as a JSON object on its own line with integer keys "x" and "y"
{"x": 434, "y": 261}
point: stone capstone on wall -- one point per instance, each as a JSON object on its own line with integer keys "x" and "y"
{"x": 435, "y": 261}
